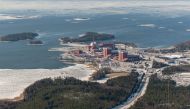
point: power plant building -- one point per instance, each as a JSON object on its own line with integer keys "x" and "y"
{"x": 106, "y": 52}
{"x": 122, "y": 56}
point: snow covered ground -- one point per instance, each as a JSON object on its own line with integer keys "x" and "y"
{"x": 182, "y": 79}
{"x": 13, "y": 82}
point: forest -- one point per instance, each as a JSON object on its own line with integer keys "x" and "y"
{"x": 70, "y": 93}
{"x": 164, "y": 94}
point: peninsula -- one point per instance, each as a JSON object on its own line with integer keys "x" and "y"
{"x": 183, "y": 46}
{"x": 75, "y": 94}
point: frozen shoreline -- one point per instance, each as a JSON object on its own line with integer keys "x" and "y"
{"x": 14, "y": 81}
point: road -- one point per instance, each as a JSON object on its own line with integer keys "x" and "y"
{"x": 141, "y": 90}
{"x": 134, "y": 97}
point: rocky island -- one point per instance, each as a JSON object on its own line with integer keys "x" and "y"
{"x": 89, "y": 36}
{"x": 18, "y": 36}
{"x": 35, "y": 42}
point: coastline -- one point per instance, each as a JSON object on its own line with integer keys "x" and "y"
{"x": 14, "y": 81}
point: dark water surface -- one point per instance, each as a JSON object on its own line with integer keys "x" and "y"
{"x": 144, "y": 30}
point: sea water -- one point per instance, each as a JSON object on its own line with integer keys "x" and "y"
{"x": 146, "y": 29}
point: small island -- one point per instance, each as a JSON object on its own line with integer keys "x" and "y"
{"x": 35, "y": 42}
{"x": 19, "y": 36}
{"x": 89, "y": 36}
